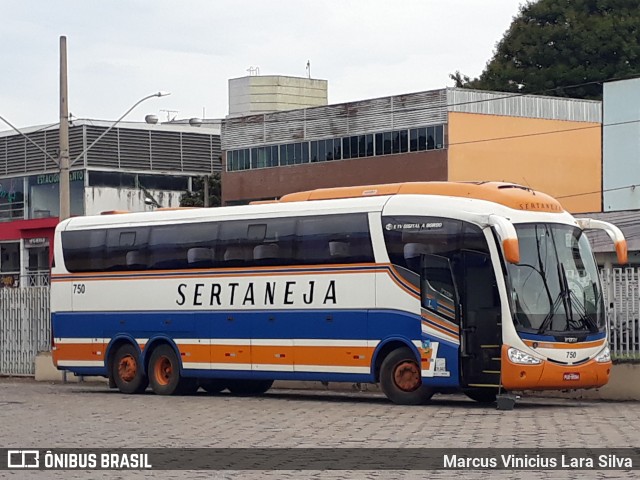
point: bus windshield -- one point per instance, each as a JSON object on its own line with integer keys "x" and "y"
{"x": 555, "y": 288}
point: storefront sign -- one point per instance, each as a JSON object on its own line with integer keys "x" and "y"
{"x": 37, "y": 242}
{"x": 51, "y": 178}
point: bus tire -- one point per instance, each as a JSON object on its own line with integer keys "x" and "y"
{"x": 249, "y": 387}
{"x": 401, "y": 378}
{"x": 164, "y": 371}
{"x": 482, "y": 395}
{"x": 126, "y": 371}
{"x": 213, "y": 385}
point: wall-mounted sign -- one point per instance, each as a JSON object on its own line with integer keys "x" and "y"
{"x": 50, "y": 178}
{"x": 37, "y": 242}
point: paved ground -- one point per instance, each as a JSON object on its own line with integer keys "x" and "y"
{"x": 54, "y": 415}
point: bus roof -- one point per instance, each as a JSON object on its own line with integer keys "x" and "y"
{"x": 510, "y": 195}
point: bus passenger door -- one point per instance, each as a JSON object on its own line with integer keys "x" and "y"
{"x": 440, "y": 316}
{"x": 481, "y": 337}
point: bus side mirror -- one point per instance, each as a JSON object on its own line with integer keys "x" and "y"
{"x": 508, "y": 237}
{"x": 614, "y": 233}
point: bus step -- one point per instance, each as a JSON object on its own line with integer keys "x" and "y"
{"x": 489, "y": 346}
{"x": 495, "y": 372}
{"x": 483, "y": 385}
{"x": 498, "y": 359}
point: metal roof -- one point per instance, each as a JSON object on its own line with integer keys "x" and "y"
{"x": 627, "y": 220}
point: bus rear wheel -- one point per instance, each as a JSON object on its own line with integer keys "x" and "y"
{"x": 126, "y": 371}
{"x": 164, "y": 373}
{"x": 249, "y": 387}
{"x": 401, "y": 378}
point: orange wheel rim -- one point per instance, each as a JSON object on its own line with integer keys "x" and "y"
{"x": 406, "y": 376}
{"x": 163, "y": 370}
{"x": 127, "y": 368}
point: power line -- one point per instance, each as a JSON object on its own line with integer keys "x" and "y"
{"x": 548, "y": 132}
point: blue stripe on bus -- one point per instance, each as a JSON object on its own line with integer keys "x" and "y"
{"x": 551, "y": 338}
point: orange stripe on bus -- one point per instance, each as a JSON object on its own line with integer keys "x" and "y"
{"x": 442, "y": 331}
{"x": 334, "y": 356}
{"x": 442, "y": 323}
{"x": 221, "y": 272}
{"x": 230, "y": 354}
{"x": 78, "y": 351}
{"x": 195, "y": 353}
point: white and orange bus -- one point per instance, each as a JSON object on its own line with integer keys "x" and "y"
{"x": 420, "y": 287}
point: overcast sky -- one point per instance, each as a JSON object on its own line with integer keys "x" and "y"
{"x": 119, "y": 51}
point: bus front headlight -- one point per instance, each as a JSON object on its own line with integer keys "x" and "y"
{"x": 604, "y": 356}
{"x": 517, "y": 356}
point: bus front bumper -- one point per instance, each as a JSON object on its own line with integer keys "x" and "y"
{"x": 548, "y": 375}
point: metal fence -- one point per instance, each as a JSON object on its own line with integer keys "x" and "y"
{"x": 25, "y": 327}
{"x": 622, "y": 297}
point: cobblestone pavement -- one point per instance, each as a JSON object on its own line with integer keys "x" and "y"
{"x": 40, "y": 415}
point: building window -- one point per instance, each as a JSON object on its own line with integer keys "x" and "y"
{"x": 9, "y": 264}
{"x": 11, "y": 198}
{"x": 44, "y": 194}
{"x": 356, "y": 146}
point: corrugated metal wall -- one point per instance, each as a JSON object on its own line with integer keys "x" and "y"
{"x": 25, "y": 328}
{"x": 530, "y": 106}
{"x": 120, "y": 148}
{"x": 367, "y": 116}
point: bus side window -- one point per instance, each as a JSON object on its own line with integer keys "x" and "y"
{"x": 436, "y": 273}
{"x": 121, "y": 242}
{"x": 200, "y": 257}
{"x": 412, "y": 253}
{"x": 136, "y": 260}
{"x": 333, "y": 239}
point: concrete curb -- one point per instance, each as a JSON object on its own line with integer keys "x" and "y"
{"x": 624, "y": 383}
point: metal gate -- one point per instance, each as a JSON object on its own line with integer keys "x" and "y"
{"x": 25, "y": 328}
{"x": 622, "y": 297}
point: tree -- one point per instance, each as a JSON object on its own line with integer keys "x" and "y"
{"x": 553, "y": 44}
{"x": 195, "y": 198}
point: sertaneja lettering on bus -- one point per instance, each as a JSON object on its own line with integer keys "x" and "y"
{"x": 270, "y": 293}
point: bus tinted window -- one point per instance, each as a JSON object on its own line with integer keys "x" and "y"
{"x": 334, "y": 239}
{"x": 84, "y": 250}
{"x": 192, "y": 245}
{"x": 409, "y": 237}
{"x": 272, "y": 241}
{"x": 126, "y": 248}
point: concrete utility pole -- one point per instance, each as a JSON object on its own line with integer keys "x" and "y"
{"x": 206, "y": 191}
{"x": 65, "y": 201}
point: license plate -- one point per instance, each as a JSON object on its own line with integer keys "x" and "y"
{"x": 571, "y": 376}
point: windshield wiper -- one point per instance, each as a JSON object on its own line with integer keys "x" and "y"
{"x": 585, "y": 320}
{"x": 547, "y": 319}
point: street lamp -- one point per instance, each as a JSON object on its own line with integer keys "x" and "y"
{"x": 65, "y": 200}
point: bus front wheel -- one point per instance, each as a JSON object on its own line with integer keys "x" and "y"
{"x": 126, "y": 371}
{"x": 164, "y": 373}
{"x": 401, "y": 379}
